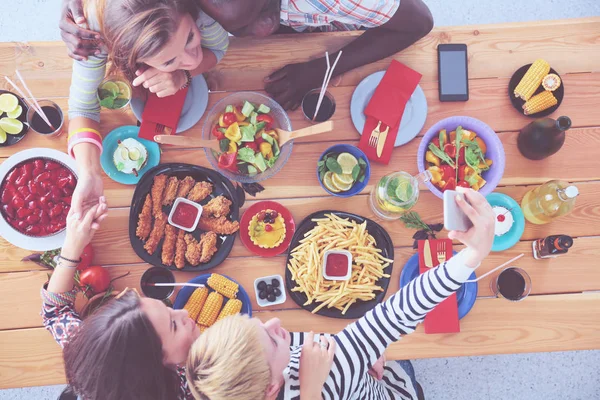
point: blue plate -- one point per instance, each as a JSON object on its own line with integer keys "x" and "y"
{"x": 512, "y": 237}
{"x": 413, "y": 118}
{"x": 465, "y": 296}
{"x": 185, "y": 293}
{"x": 110, "y": 144}
{"x": 193, "y": 109}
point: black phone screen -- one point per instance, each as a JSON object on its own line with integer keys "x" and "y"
{"x": 453, "y": 74}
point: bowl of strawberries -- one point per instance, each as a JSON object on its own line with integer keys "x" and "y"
{"x": 36, "y": 187}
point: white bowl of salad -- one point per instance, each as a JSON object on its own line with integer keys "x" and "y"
{"x": 244, "y": 124}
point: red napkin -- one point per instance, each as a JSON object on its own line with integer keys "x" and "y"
{"x": 387, "y": 105}
{"x": 444, "y": 317}
{"x": 161, "y": 110}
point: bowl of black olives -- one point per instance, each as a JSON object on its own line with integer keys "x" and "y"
{"x": 269, "y": 290}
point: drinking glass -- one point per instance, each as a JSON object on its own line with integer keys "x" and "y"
{"x": 309, "y": 106}
{"x": 512, "y": 283}
{"x": 53, "y": 113}
{"x": 396, "y": 193}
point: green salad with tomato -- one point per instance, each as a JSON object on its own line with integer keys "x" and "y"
{"x": 248, "y": 142}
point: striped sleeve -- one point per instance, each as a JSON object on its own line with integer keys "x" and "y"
{"x": 364, "y": 341}
{"x": 214, "y": 37}
{"x": 86, "y": 78}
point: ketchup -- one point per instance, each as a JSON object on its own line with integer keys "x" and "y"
{"x": 185, "y": 215}
{"x": 337, "y": 265}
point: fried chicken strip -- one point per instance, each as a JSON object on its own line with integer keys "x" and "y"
{"x": 208, "y": 246}
{"x": 185, "y": 186}
{"x": 170, "y": 191}
{"x": 158, "y": 187}
{"x": 158, "y": 231}
{"x": 180, "y": 248}
{"x": 221, "y": 225}
{"x": 193, "y": 253}
{"x": 144, "y": 225}
{"x": 200, "y": 191}
{"x": 168, "y": 247}
{"x": 217, "y": 207}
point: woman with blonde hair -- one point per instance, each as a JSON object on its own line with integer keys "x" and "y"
{"x": 156, "y": 44}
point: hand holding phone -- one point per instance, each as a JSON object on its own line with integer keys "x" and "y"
{"x": 455, "y": 218}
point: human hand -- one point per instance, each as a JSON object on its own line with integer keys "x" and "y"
{"x": 315, "y": 363}
{"x": 162, "y": 83}
{"x": 81, "y": 42}
{"x": 88, "y": 192}
{"x": 81, "y": 229}
{"x": 376, "y": 370}
{"x": 480, "y": 237}
{"x": 289, "y": 84}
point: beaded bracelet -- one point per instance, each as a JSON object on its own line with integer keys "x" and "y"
{"x": 69, "y": 260}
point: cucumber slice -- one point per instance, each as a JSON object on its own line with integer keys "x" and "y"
{"x": 264, "y": 109}
{"x": 247, "y": 109}
{"x": 229, "y": 109}
{"x": 253, "y": 117}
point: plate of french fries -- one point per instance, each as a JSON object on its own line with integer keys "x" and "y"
{"x": 372, "y": 261}
{"x": 536, "y": 90}
{"x": 220, "y": 297}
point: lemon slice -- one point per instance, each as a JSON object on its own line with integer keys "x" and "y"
{"x": 329, "y": 184}
{"x": 16, "y": 113}
{"x": 8, "y": 102}
{"x": 134, "y": 154}
{"x": 347, "y": 161}
{"x": 343, "y": 179}
{"x": 340, "y": 184}
{"x": 124, "y": 91}
{"x": 110, "y": 86}
{"x": 3, "y": 136}
{"x": 11, "y": 126}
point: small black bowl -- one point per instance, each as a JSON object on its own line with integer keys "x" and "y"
{"x": 157, "y": 275}
{"x": 517, "y": 102}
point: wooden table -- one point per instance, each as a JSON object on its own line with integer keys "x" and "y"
{"x": 563, "y": 313}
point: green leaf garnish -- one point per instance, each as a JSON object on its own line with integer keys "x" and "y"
{"x": 334, "y": 166}
{"x": 441, "y": 154}
{"x": 355, "y": 172}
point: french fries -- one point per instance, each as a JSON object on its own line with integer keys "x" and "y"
{"x": 336, "y": 233}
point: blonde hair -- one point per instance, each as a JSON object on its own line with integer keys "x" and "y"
{"x": 137, "y": 30}
{"x": 228, "y": 362}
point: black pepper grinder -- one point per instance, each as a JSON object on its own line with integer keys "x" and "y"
{"x": 543, "y": 137}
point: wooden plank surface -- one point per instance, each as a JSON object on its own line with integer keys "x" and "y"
{"x": 30, "y": 357}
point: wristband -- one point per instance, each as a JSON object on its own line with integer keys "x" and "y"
{"x": 84, "y": 137}
{"x": 76, "y": 131}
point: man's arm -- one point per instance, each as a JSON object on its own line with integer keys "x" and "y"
{"x": 411, "y": 22}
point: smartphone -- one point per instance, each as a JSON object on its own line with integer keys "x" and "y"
{"x": 454, "y": 217}
{"x": 453, "y": 76}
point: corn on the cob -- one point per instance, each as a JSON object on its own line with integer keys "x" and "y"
{"x": 202, "y": 328}
{"x": 232, "y": 307}
{"x": 539, "y": 102}
{"x": 532, "y": 79}
{"x": 196, "y": 302}
{"x": 223, "y": 285}
{"x": 211, "y": 309}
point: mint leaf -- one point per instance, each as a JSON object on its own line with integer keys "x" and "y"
{"x": 119, "y": 103}
{"x": 334, "y": 166}
{"x": 108, "y": 102}
{"x": 355, "y": 172}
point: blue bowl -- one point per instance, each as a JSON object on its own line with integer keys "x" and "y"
{"x": 513, "y": 236}
{"x": 356, "y": 152}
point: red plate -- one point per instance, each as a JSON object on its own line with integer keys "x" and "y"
{"x": 290, "y": 227}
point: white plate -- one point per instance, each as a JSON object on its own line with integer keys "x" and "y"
{"x": 413, "y": 118}
{"x": 15, "y": 237}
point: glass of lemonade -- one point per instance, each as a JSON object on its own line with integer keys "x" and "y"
{"x": 114, "y": 93}
{"x": 396, "y": 193}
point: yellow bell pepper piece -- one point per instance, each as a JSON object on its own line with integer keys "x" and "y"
{"x": 432, "y": 158}
{"x": 480, "y": 183}
{"x": 469, "y": 135}
{"x": 221, "y": 123}
{"x": 243, "y": 123}
{"x": 233, "y": 132}
{"x": 238, "y": 114}
{"x": 266, "y": 150}
{"x": 273, "y": 134}
{"x": 233, "y": 147}
{"x": 481, "y": 144}
{"x": 436, "y": 174}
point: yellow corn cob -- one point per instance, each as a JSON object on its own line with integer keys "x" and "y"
{"x": 223, "y": 285}
{"x": 540, "y": 102}
{"x": 196, "y": 302}
{"x": 532, "y": 79}
{"x": 211, "y": 309}
{"x": 232, "y": 307}
{"x": 202, "y": 328}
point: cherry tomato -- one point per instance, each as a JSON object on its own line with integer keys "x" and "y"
{"x": 450, "y": 149}
{"x": 229, "y": 118}
{"x": 95, "y": 279}
{"x": 86, "y": 258}
{"x": 464, "y": 184}
{"x": 267, "y": 119}
{"x": 217, "y": 133}
{"x": 450, "y": 185}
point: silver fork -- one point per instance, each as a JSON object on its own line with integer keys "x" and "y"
{"x": 161, "y": 129}
{"x": 375, "y": 135}
{"x": 441, "y": 252}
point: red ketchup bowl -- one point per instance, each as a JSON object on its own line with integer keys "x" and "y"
{"x": 337, "y": 265}
{"x": 185, "y": 214}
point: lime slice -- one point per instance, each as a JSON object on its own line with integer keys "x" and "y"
{"x": 16, "y": 113}
{"x": 404, "y": 191}
{"x": 8, "y": 102}
{"x": 2, "y": 136}
{"x": 339, "y": 182}
{"x": 110, "y": 86}
{"x": 329, "y": 184}
{"x": 11, "y": 125}
{"x": 124, "y": 90}
{"x": 347, "y": 161}
{"x": 134, "y": 154}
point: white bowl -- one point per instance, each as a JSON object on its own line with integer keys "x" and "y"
{"x": 265, "y": 303}
{"x": 15, "y": 237}
{"x": 186, "y": 201}
{"x": 337, "y": 278}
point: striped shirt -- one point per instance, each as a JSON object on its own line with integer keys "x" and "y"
{"x": 361, "y": 344}
{"x": 336, "y": 15}
{"x": 88, "y": 75}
